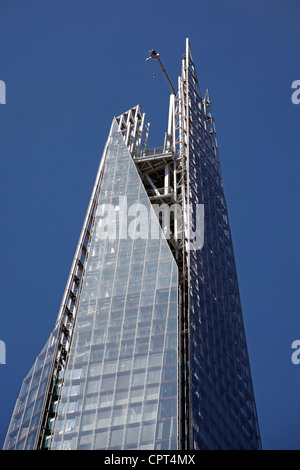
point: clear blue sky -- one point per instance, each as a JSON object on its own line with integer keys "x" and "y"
{"x": 70, "y": 66}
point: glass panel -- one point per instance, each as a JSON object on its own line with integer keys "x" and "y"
{"x": 117, "y": 345}
{"x": 116, "y": 437}
{"x": 132, "y": 435}
{"x": 148, "y": 431}
{"x": 100, "y": 440}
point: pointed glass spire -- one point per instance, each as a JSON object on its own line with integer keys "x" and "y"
{"x": 120, "y": 389}
{"x": 222, "y": 410}
{"x": 149, "y": 348}
{"x": 24, "y": 426}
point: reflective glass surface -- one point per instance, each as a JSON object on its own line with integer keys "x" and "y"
{"x": 24, "y": 425}
{"x": 120, "y": 387}
{"x": 222, "y": 400}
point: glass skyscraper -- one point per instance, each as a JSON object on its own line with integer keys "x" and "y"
{"x": 149, "y": 349}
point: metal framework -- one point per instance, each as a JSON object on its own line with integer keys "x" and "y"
{"x": 164, "y": 173}
{"x": 170, "y": 175}
{"x": 215, "y": 392}
{"x": 67, "y": 317}
{"x": 63, "y": 331}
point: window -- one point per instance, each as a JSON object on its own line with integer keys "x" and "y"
{"x": 148, "y": 432}
{"x": 106, "y": 399}
{"x": 150, "y": 269}
{"x": 140, "y": 362}
{"x": 136, "y": 395}
{"x": 157, "y": 343}
{"x": 108, "y": 383}
{"x": 123, "y": 381}
{"x": 110, "y": 367}
{"x": 92, "y": 385}
{"x": 87, "y": 421}
{"x": 169, "y": 373}
{"x": 163, "y": 429}
{"x": 103, "y": 418}
{"x": 167, "y": 408}
{"x": 138, "y": 378}
{"x": 125, "y": 364}
{"x": 116, "y": 437}
{"x": 90, "y": 403}
{"x": 153, "y": 376}
{"x": 121, "y": 397}
{"x": 132, "y": 435}
{"x": 85, "y": 442}
{"x": 142, "y": 345}
{"x": 134, "y": 413}
{"x": 150, "y": 411}
{"x": 100, "y": 440}
{"x": 169, "y": 389}
{"x": 152, "y": 392}
{"x": 119, "y": 416}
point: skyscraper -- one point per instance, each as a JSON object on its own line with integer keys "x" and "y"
{"x": 149, "y": 349}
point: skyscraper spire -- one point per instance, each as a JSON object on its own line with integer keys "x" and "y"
{"x": 149, "y": 349}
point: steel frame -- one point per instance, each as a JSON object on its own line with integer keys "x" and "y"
{"x": 165, "y": 173}
{"x": 67, "y": 316}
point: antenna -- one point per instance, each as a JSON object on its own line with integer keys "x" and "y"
{"x": 155, "y": 55}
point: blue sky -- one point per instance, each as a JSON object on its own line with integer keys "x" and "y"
{"x": 70, "y": 66}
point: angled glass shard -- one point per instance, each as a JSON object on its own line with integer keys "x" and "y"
{"x": 149, "y": 349}
{"x": 24, "y": 426}
{"x": 222, "y": 412}
{"x": 121, "y": 379}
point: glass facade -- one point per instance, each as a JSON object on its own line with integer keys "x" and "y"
{"x": 120, "y": 387}
{"x": 223, "y": 414}
{"x": 24, "y": 426}
{"x": 149, "y": 349}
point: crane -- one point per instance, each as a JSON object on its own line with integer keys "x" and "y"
{"x": 155, "y": 55}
